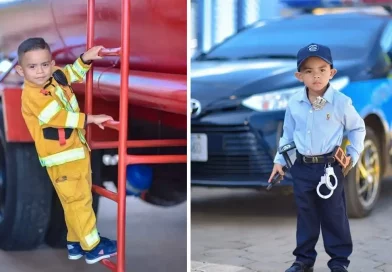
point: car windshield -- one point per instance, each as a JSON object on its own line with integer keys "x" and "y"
{"x": 348, "y": 38}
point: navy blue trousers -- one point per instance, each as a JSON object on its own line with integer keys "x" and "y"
{"x": 314, "y": 212}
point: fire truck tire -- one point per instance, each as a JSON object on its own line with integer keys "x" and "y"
{"x": 168, "y": 190}
{"x": 25, "y": 195}
{"x": 56, "y": 235}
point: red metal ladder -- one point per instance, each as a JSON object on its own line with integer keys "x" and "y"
{"x": 122, "y": 126}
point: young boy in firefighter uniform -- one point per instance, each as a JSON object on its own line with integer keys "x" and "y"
{"x": 53, "y": 117}
{"x": 315, "y": 120}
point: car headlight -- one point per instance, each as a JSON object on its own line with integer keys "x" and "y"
{"x": 278, "y": 100}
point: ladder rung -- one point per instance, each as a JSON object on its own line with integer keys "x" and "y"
{"x": 106, "y": 193}
{"x": 136, "y": 159}
{"x": 140, "y": 143}
{"x": 112, "y": 124}
{"x": 110, "y": 52}
{"x": 109, "y": 264}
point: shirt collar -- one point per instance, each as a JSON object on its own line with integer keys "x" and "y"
{"x": 328, "y": 95}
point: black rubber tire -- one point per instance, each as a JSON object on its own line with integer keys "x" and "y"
{"x": 56, "y": 236}
{"x": 354, "y": 207}
{"x": 28, "y": 196}
{"x": 167, "y": 189}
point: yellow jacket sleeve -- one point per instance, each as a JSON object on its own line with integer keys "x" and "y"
{"x": 49, "y": 112}
{"x": 77, "y": 71}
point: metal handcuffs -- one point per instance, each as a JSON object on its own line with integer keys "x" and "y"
{"x": 325, "y": 179}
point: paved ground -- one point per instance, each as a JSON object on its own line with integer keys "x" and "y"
{"x": 241, "y": 231}
{"x": 156, "y": 241}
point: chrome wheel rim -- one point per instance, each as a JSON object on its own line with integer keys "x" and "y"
{"x": 368, "y": 173}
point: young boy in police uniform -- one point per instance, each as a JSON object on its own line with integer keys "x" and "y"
{"x": 315, "y": 120}
{"x": 53, "y": 117}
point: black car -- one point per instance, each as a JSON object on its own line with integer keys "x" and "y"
{"x": 240, "y": 89}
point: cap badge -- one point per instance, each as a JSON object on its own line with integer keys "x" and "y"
{"x": 313, "y": 47}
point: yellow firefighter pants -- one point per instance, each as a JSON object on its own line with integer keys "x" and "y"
{"x": 72, "y": 182}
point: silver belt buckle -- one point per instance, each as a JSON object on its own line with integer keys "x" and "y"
{"x": 304, "y": 159}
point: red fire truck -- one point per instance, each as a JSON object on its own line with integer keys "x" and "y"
{"x": 30, "y": 212}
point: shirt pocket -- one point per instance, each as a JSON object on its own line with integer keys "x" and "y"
{"x": 329, "y": 127}
{"x": 300, "y": 118}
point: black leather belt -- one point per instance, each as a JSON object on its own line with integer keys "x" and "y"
{"x": 322, "y": 159}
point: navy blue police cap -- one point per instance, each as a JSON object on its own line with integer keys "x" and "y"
{"x": 314, "y": 50}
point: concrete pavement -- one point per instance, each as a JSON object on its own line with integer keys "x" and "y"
{"x": 243, "y": 230}
{"x": 156, "y": 241}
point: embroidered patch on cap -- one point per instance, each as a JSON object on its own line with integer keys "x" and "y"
{"x": 313, "y": 47}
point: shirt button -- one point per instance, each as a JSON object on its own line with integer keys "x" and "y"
{"x": 310, "y": 111}
{"x": 308, "y": 151}
{"x": 308, "y": 131}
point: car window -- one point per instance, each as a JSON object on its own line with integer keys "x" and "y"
{"x": 386, "y": 38}
{"x": 282, "y": 39}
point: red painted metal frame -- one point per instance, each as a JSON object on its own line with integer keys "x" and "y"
{"x": 110, "y": 52}
{"x": 122, "y": 127}
{"x": 15, "y": 126}
{"x": 137, "y": 143}
{"x": 88, "y": 106}
{"x": 122, "y": 150}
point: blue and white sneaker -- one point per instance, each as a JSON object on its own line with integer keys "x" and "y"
{"x": 75, "y": 251}
{"x": 104, "y": 250}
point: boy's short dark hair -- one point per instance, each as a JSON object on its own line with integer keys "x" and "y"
{"x": 32, "y": 44}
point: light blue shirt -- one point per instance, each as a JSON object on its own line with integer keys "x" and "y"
{"x": 318, "y": 132}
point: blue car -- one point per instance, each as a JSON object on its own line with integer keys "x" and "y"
{"x": 241, "y": 87}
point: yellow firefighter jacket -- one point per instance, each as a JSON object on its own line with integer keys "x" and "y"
{"x": 53, "y": 117}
